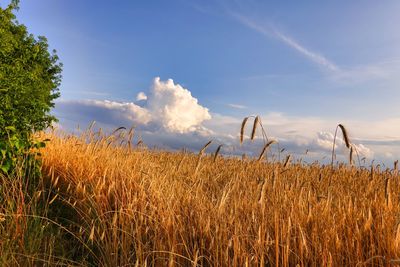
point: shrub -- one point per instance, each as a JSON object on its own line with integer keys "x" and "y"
{"x": 29, "y": 81}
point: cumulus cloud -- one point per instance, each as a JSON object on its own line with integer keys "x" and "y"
{"x": 174, "y": 107}
{"x": 168, "y": 106}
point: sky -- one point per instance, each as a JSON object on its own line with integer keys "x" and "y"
{"x": 185, "y": 72}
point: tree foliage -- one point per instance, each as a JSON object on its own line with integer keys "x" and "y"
{"x": 29, "y": 79}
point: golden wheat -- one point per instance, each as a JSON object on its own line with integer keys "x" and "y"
{"x": 146, "y": 207}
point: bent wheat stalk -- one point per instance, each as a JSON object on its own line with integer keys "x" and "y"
{"x": 265, "y": 149}
{"x": 345, "y": 138}
{"x": 257, "y": 121}
{"x": 200, "y": 155}
{"x": 201, "y": 152}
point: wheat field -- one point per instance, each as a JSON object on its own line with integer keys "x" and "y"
{"x": 119, "y": 204}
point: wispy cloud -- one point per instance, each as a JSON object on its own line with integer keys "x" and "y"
{"x": 94, "y": 93}
{"x": 237, "y": 106}
{"x": 270, "y": 31}
{"x": 313, "y": 56}
{"x": 384, "y": 70}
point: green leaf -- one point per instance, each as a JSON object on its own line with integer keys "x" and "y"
{"x": 10, "y": 128}
{"x": 5, "y": 167}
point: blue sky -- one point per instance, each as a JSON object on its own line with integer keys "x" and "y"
{"x": 303, "y": 66}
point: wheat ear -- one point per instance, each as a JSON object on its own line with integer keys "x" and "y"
{"x": 242, "y": 129}
{"x": 345, "y": 135}
{"x": 345, "y": 138}
{"x": 256, "y": 122}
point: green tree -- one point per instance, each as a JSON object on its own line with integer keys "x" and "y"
{"x": 29, "y": 83}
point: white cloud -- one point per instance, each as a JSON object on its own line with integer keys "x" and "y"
{"x": 313, "y": 56}
{"x": 168, "y": 106}
{"x": 128, "y": 110}
{"x": 364, "y": 151}
{"x": 325, "y": 140}
{"x": 237, "y": 106}
{"x": 141, "y": 96}
{"x": 174, "y": 107}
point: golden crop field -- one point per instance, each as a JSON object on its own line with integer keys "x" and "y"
{"x": 122, "y": 205}
{"x": 198, "y": 180}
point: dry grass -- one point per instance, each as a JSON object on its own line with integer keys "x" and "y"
{"x": 136, "y": 206}
{"x": 28, "y": 237}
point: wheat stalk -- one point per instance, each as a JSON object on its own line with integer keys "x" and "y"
{"x": 257, "y": 121}
{"x": 242, "y": 129}
{"x": 287, "y": 161}
{"x": 263, "y": 192}
{"x": 345, "y": 138}
{"x": 265, "y": 149}
{"x": 201, "y": 152}
{"x": 130, "y": 136}
{"x": 351, "y": 156}
{"x": 216, "y": 152}
{"x": 90, "y": 126}
{"x": 118, "y": 129}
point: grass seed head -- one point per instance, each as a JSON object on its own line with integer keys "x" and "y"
{"x": 255, "y": 124}
{"x": 242, "y": 129}
{"x": 345, "y": 135}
